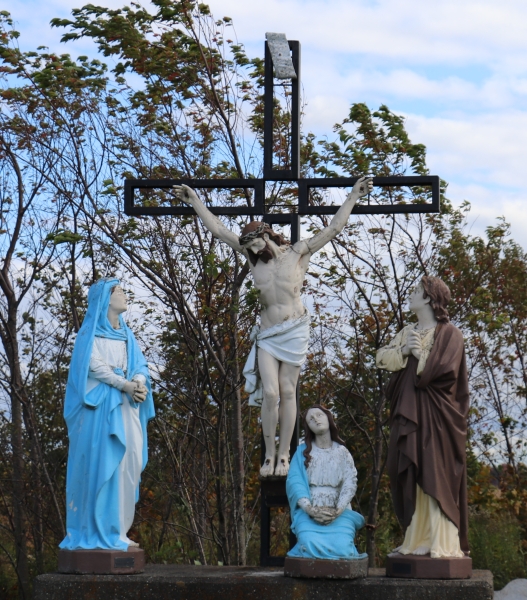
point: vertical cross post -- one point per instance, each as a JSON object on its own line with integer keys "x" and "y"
{"x": 272, "y": 489}
{"x": 271, "y": 173}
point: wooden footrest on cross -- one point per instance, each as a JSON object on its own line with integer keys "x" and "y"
{"x": 102, "y": 562}
{"x": 411, "y": 566}
{"x": 313, "y": 568}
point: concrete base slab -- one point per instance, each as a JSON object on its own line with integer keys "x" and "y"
{"x": 99, "y": 562}
{"x": 312, "y": 568}
{"x": 181, "y": 582}
{"x": 424, "y": 567}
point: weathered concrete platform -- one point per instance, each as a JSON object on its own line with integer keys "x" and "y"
{"x": 181, "y": 582}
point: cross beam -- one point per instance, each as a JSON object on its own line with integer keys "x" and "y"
{"x": 273, "y": 489}
{"x": 304, "y": 188}
{"x": 273, "y": 174}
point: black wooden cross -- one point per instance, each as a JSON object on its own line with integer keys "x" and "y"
{"x": 277, "y": 58}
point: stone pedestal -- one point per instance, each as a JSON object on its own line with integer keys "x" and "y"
{"x": 312, "y": 568}
{"x": 410, "y": 566}
{"x": 110, "y": 562}
{"x": 186, "y": 582}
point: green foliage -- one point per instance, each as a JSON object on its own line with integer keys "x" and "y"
{"x": 64, "y": 236}
{"x": 496, "y": 543}
{"x": 377, "y": 144}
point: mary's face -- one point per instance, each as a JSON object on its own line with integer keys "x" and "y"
{"x": 317, "y": 421}
{"x": 118, "y": 299}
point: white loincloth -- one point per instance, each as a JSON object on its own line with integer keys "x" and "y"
{"x": 287, "y": 342}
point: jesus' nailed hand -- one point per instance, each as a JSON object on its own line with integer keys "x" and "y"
{"x": 278, "y": 269}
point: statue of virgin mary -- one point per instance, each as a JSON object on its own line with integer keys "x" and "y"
{"x": 107, "y": 407}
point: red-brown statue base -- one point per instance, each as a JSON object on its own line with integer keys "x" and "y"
{"x": 411, "y": 566}
{"x": 314, "y": 568}
{"x": 99, "y": 562}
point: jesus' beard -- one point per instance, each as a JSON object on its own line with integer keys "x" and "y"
{"x": 265, "y": 254}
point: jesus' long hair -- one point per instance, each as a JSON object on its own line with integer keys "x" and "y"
{"x": 277, "y": 238}
{"x": 310, "y": 436}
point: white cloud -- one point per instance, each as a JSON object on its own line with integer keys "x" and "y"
{"x": 470, "y": 32}
{"x": 490, "y": 202}
{"x": 457, "y": 70}
{"x": 453, "y": 31}
{"x": 488, "y": 147}
{"x": 482, "y": 158}
{"x": 32, "y": 19}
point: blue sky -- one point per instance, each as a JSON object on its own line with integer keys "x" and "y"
{"x": 457, "y": 70}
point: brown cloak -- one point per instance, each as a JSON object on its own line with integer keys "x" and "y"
{"x": 428, "y": 431}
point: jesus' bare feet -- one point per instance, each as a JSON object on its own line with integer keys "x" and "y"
{"x": 268, "y": 467}
{"x": 282, "y": 466}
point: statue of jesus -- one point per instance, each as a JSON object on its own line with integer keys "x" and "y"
{"x": 281, "y": 342}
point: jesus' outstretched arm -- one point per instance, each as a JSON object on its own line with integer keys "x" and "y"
{"x": 362, "y": 187}
{"x": 211, "y": 222}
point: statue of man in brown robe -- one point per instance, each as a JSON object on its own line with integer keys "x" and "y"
{"x": 429, "y": 402}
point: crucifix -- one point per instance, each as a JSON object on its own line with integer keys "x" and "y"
{"x": 276, "y": 265}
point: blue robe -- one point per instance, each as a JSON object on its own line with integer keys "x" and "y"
{"x": 96, "y": 432}
{"x": 334, "y": 541}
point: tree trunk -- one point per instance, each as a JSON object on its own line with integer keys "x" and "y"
{"x": 376, "y": 473}
{"x": 239, "y": 476}
{"x": 36, "y": 490}
{"x": 18, "y": 499}
{"x": 17, "y": 447}
{"x": 220, "y": 492}
{"x": 237, "y": 426}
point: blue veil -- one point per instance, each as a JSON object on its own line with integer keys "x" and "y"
{"x": 96, "y": 431}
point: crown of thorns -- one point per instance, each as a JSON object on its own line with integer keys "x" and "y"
{"x": 248, "y": 237}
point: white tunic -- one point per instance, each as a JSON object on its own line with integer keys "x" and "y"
{"x": 332, "y": 477}
{"x": 390, "y": 357}
{"x": 108, "y": 355}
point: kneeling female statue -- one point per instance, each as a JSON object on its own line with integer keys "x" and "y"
{"x": 321, "y": 482}
{"x": 107, "y": 407}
